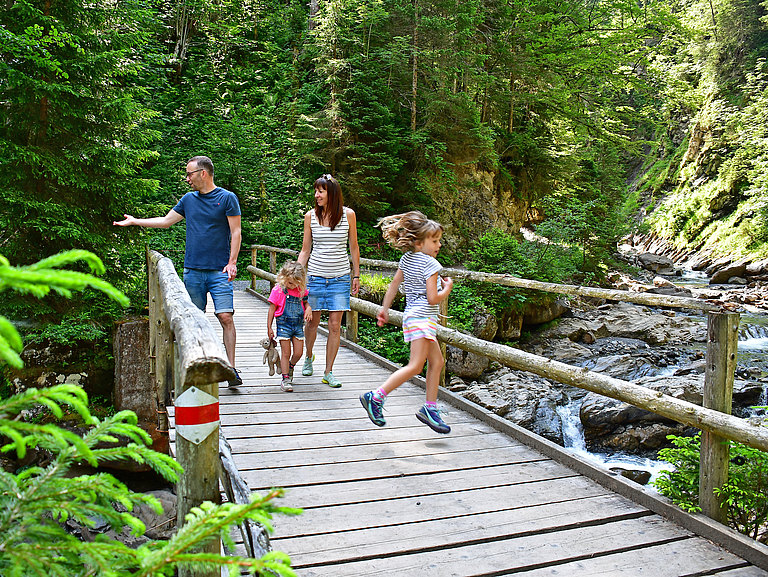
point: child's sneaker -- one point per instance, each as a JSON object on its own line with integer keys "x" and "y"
{"x": 290, "y": 372}
{"x": 307, "y": 369}
{"x": 374, "y": 408}
{"x": 286, "y": 385}
{"x": 432, "y": 418}
{"x": 331, "y": 381}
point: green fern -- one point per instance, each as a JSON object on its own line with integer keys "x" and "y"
{"x": 35, "y": 502}
{"x": 41, "y": 278}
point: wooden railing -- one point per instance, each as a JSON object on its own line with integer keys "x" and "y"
{"x": 713, "y": 418}
{"x": 187, "y": 359}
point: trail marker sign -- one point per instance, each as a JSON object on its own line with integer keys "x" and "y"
{"x": 196, "y": 415}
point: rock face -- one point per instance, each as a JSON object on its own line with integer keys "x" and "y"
{"x": 524, "y": 399}
{"x": 611, "y": 425}
{"x": 628, "y": 321}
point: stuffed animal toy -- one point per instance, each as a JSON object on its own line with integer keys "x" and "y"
{"x": 271, "y": 356}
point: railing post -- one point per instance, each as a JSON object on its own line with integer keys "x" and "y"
{"x": 351, "y": 319}
{"x": 253, "y": 263}
{"x": 200, "y": 480}
{"x": 722, "y": 343}
{"x": 272, "y": 266}
{"x": 443, "y": 319}
{"x": 160, "y": 345}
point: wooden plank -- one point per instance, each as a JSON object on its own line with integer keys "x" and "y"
{"x": 689, "y": 558}
{"x": 258, "y": 473}
{"x": 464, "y": 450}
{"x": 446, "y": 531}
{"x": 496, "y": 557}
{"x": 329, "y": 494}
{"x": 442, "y": 505}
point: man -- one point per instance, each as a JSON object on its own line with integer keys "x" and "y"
{"x": 213, "y": 243}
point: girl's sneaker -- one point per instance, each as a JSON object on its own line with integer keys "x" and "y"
{"x": 331, "y": 381}
{"x": 307, "y": 369}
{"x": 374, "y": 408}
{"x": 431, "y": 417}
{"x": 286, "y": 385}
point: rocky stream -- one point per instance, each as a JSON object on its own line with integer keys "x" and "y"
{"x": 659, "y": 348}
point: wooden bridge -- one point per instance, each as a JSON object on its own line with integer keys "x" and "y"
{"x": 487, "y": 499}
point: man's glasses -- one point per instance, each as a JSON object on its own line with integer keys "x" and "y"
{"x": 194, "y": 171}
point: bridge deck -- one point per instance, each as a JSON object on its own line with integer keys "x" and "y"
{"x": 404, "y": 501}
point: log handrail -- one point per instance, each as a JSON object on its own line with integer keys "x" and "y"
{"x": 186, "y": 354}
{"x": 717, "y": 425}
{"x": 508, "y": 280}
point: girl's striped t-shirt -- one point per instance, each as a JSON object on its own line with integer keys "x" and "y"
{"x": 417, "y": 267}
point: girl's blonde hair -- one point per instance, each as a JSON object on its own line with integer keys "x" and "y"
{"x": 403, "y": 231}
{"x": 292, "y": 271}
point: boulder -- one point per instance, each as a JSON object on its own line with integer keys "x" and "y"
{"x": 612, "y": 425}
{"x": 510, "y": 325}
{"x": 540, "y": 313}
{"x": 722, "y": 274}
{"x": 484, "y": 325}
{"x": 656, "y": 263}
{"x": 465, "y": 364}
{"x": 628, "y": 321}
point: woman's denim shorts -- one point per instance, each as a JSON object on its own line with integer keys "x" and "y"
{"x": 329, "y": 294}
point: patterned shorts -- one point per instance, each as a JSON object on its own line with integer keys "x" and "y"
{"x": 419, "y": 327}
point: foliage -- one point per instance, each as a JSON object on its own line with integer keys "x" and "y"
{"x": 41, "y": 278}
{"x": 745, "y": 494}
{"x": 463, "y": 305}
{"x": 36, "y": 501}
{"x": 386, "y": 341}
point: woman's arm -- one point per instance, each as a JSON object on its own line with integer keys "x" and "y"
{"x": 383, "y": 315}
{"x": 306, "y": 243}
{"x": 354, "y": 250}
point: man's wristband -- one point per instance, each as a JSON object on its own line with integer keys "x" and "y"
{"x": 355, "y": 277}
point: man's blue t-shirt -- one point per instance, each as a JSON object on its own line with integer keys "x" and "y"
{"x": 208, "y": 235}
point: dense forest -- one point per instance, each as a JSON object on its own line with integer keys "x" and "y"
{"x": 580, "y": 118}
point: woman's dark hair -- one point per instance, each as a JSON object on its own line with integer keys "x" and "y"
{"x": 335, "y": 204}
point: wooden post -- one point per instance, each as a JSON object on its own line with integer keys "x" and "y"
{"x": 443, "y": 318}
{"x": 351, "y": 319}
{"x": 200, "y": 480}
{"x": 272, "y": 267}
{"x": 160, "y": 350}
{"x": 722, "y": 342}
{"x": 253, "y": 263}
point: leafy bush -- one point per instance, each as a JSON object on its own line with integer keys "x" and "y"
{"x": 386, "y": 341}
{"x": 745, "y": 494}
{"x": 462, "y": 306}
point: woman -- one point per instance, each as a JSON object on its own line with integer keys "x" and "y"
{"x": 328, "y": 229}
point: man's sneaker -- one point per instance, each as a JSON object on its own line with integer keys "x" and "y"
{"x": 432, "y": 418}
{"x": 331, "y": 381}
{"x": 237, "y": 381}
{"x": 286, "y": 385}
{"x": 374, "y": 408}
{"x": 307, "y": 369}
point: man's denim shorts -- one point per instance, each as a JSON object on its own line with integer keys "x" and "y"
{"x": 329, "y": 294}
{"x": 200, "y": 282}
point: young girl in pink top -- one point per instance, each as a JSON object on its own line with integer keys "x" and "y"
{"x": 288, "y": 304}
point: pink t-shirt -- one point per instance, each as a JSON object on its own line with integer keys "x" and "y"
{"x": 277, "y": 298}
